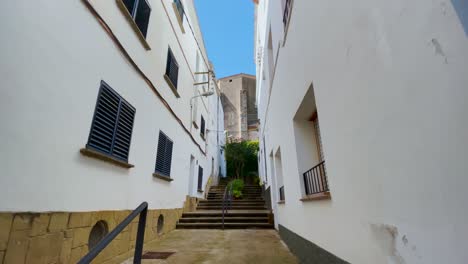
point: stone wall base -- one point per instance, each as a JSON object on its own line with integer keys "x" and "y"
{"x": 62, "y": 237}
{"x": 306, "y": 251}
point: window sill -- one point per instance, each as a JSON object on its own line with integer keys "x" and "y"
{"x": 162, "y": 177}
{"x": 200, "y": 191}
{"x": 282, "y": 202}
{"x": 179, "y": 19}
{"x": 134, "y": 26}
{"x": 171, "y": 85}
{"x": 317, "y": 196}
{"x": 98, "y": 155}
{"x": 195, "y": 125}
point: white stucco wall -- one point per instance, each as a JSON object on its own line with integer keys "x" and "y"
{"x": 390, "y": 83}
{"x": 50, "y": 72}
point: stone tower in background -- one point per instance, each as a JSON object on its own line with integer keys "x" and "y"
{"x": 238, "y": 96}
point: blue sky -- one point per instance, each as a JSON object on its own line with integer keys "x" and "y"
{"x": 228, "y": 31}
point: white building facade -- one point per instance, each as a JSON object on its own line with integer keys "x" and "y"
{"x": 382, "y": 177}
{"x": 104, "y": 105}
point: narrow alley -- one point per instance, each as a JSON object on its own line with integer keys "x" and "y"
{"x": 233, "y": 131}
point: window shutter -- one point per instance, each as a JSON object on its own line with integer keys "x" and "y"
{"x": 202, "y": 127}
{"x": 200, "y": 177}
{"x": 172, "y": 68}
{"x": 123, "y": 133}
{"x": 105, "y": 118}
{"x": 164, "y": 155}
{"x": 111, "y": 129}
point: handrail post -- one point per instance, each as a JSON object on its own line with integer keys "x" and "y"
{"x": 106, "y": 240}
{"x": 140, "y": 237}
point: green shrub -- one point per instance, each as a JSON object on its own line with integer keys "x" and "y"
{"x": 256, "y": 180}
{"x": 242, "y": 158}
{"x": 237, "y": 188}
{"x": 237, "y": 194}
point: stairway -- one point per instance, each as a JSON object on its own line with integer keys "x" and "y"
{"x": 250, "y": 212}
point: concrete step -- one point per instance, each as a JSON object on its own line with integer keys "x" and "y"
{"x": 244, "y": 198}
{"x": 231, "y": 208}
{"x": 228, "y": 214}
{"x": 234, "y": 206}
{"x": 243, "y": 195}
{"x": 240, "y": 201}
{"x": 235, "y": 202}
{"x": 226, "y": 220}
{"x": 226, "y": 226}
{"x": 222, "y": 191}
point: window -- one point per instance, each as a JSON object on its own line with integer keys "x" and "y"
{"x": 202, "y": 127}
{"x": 164, "y": 155}
{"x": 200, "y": 178}
{"x": 311, "y": 161}
{"x": 180, "y": 9}
{"x": 318, "y": 137}
{"x": 111, "y": 129}
{"x": 172, "y": 69}
{"x": 139, "y": 11}
{"x": 287, "y": 6}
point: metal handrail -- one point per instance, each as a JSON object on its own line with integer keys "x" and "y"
{"x": 227, "y": 200}
{"x": 141, "y": 211}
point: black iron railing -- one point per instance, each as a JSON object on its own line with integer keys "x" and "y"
{"x": 141, "y": 211}
{"x": 315, "y": 179}
{"x": 281, "y": 193}
{"x": 227, "y": 201}
{"x": 287, "y": 12}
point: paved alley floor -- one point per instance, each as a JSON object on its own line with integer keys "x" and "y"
{"x": 216, "y": 246}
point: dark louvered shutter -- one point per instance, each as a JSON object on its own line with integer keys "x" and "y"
{"x": 202, "y": 127}
{"x": 200, "y": 177}
{"x": 164, "y": 155}
{"x": 172, "y": 68}
{"x": 123, "y": 133}
{"x": 111, "y": 129}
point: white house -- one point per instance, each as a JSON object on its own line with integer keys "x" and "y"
{"x": 382, "y": 179}
{"x": 103, "y": 105}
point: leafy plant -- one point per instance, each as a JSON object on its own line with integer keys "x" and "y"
{"x": 237, "y": 194}
{"x": 237, "y": 188}
{"x": 242, "y": 159}
{"x": 256, "y": 180}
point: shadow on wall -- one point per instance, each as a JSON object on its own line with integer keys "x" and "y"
{"x": 461, "y": 7}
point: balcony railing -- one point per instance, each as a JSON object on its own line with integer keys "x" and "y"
{"x": 315, "y": 180}
{"x": 281, "y": 193}
{"x": 287, "y": 13}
